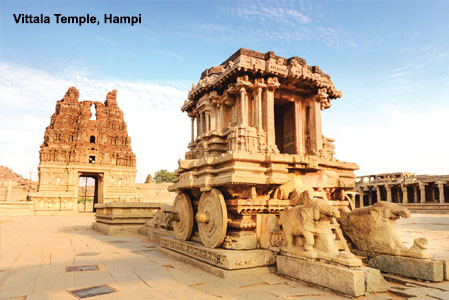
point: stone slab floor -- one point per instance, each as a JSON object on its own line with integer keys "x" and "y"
{"x": 35, "y": 251}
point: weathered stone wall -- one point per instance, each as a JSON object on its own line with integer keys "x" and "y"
{"x": 14, "y": 187}
{"x": 155, "y": 192}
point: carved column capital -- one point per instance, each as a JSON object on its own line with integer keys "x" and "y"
{"x": 273, "y": 83}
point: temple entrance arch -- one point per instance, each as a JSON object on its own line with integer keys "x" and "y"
{"x": 90, "y": 191}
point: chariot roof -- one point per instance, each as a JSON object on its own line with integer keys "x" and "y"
{"x": 246, "y": 61}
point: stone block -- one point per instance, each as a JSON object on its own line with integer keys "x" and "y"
{"x": 114, "y": 229}
{"x": 341, "y": 279}
{"x": 154, "y": 234}
{"x": 374, "y": 281}
{"x": 222, "y": 258}
{"x": 446, "y": 269}
{"x": 424, "y": 269}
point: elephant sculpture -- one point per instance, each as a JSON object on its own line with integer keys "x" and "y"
{"x": 307, "y": 232}
{"x": 372, "y": 229}
{"x": 303, "y": 220}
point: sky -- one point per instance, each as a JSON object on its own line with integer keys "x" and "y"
{"x": 389, "y": 58}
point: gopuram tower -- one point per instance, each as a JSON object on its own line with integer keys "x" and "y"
{"x": 80, "y": 143}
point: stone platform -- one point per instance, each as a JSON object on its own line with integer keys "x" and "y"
{"x": 221, "y": 258}
{"x": 219, "y": 272}
{"x": 349, "y": 281}
{"x": 425, "y": 269}
{"x": 123, "y": 218}
{"x": 18, "y": 208}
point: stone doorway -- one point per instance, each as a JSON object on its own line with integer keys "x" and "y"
{"x": 284, "y": 119}
{"x": 90, "y": 191}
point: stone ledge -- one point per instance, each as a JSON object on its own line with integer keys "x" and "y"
{"x": 124, "y": 217}
{"x": 222, "y": 258}
{"x": 155, "y": 234}
{"x": 106, "y": 220}
{"x": 219, "y": 272}
{"x": 129, "y": 205}
{"x": 425, "y": 269}
{"x": 344, "y": 280}
{"x": 113, "y": 229}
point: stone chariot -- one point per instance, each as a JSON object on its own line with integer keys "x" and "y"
{"x": 258, "y": 150}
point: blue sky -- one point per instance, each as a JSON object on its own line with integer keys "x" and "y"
{"x": 390, "y": 59}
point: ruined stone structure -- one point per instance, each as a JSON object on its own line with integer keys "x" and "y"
{"x": 14, "y": 187}
{"x": 417, "y": 192}
{"x": 14, "y": 191}
{"x": 258, "y": 146}
{"x": 80, "y": 143}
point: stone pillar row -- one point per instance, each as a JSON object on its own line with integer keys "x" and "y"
{"x": 264, "y": 101}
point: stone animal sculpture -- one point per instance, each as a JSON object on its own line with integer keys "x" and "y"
{"x": 304, "y": 220}
{"x": 373, "y": 229}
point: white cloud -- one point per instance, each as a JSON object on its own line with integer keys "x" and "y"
{"x": 158, "y": 129}
{"x": 274, "y": 12}
{"x": 169, "y": 53}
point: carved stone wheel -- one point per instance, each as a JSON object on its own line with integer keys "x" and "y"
{"x": 212, "y": 218}
{"x": 182, "y": 217}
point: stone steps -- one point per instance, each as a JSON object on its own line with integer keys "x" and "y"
{"x": 25, "y": 208}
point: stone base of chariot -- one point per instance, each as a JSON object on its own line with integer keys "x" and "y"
{"x": 220, "y": 262}
{"x": 155, "y": 234}
{"x": 122, "y": 218}
{"x": 352, "y": 281}
{"x": 425, "y": 269}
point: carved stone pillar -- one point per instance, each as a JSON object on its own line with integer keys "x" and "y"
{"x": 298, "y": 128}
{"x": 361, "y": 198}
{"x": 370, "y": 197}
{"x": 317, "y": 136}
{"x": 207, "y": 122}
{"x": 272, "y": 85}
{"x": 441, "y": 190}
{"x": 404, "y": 194}
{"x": 378, "y": 193}
{"x": 200, "y": 125}
{"x": 193, "y": 129}
{"x": 422, "y": 189}
{"x": 388, "y": 188}
{"x": 212, "y": 121}
{"x": 259, "y": 109}
{"x": 219, "y": 119}
{"x": 415, "y": 193}
{"x": 434, "y": 194}
{"x": 243, "y": 108}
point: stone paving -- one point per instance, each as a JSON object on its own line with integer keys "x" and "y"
{"x": 35, "y": 251}
{"x": 434, "y": 227}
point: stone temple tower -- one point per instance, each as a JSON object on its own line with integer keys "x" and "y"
{"x": 79, "y": 143}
